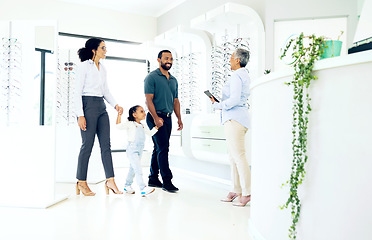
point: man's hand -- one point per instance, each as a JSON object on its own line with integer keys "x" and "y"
{"x": 180, "y": 125}
{"x": 82, "y": 123}
{"x": 159, "y": 122}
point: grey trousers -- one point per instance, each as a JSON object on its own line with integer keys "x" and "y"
{"x": 97, "y": 123}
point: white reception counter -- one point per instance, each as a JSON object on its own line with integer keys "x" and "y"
{"x": 337, "y": 194}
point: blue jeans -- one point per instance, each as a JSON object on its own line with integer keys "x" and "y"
{"x": 134, "y": 153}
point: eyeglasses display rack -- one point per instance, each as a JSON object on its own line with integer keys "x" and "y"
{"x": 10, "y": 81}
{"x": 65, "y": 114}
{"x": 220, "y": 59}
{"x": 187, "y": 72}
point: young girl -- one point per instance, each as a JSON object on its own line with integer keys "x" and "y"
{"x": 136, "y": 141}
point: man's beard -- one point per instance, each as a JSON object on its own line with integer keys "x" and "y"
{"x": 164, "y": 66}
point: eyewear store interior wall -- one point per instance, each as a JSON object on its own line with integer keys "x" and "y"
{"x": 38, "y": 63}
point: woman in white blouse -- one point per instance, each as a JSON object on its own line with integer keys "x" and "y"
{"x": 236, "y": 119}
{"x": 90, "y": 91}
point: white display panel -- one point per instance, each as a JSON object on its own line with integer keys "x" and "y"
{"x": 27, "y": 160}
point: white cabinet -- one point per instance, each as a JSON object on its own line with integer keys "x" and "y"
{"x": 203, "y": 138}
{"x": 214, "y": 132}
{"x": 208, "y": 139}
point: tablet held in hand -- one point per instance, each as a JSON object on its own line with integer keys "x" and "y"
{"x": 209, "y": 94}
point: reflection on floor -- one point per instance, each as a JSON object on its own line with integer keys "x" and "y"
{"x": 194, "y": 213}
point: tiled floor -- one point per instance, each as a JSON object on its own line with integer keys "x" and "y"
{"x": 194, "y": 213}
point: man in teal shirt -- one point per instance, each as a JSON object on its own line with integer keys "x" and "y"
{"x": 161, "y": 91}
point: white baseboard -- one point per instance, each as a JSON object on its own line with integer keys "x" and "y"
{"x": 253, "y": 232}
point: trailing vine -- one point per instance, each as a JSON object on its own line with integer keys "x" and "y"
{"x": 306, "y": 54}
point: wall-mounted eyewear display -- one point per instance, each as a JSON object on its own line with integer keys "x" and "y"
{"x": 10, "y": 80}
{"x": 220, "y": 59}
{"x": 65, "y": 114}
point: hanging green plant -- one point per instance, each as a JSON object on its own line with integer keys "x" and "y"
{"x": 306, "y": 50}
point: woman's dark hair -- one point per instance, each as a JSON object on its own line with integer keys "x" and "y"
{"x": 131, "y": 111}
{"x": 86, "y": 53}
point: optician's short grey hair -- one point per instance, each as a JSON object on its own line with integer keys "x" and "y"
{"x": 243, "y": 55}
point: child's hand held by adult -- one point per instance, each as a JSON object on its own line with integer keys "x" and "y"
{"x": 119, "y": 109}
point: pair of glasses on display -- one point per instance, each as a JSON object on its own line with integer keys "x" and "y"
{"x": 221, "y": 59}
{"x": 9, "y": 40}
{"x": 62, "y": 88}
{"x": 64, "y": 97}
{"x": 9, "y": 110}
{"x": 12, "y": 50}
{"x": 12, "y": 47}
{"x": 192, "y": 81}
{"x": 11, "y": 73}
{"x": 193, "y": 54}
{"x": 69, "y": 66}
{"x": 190, "y": 59}
{"x": 12, "y": 86}
{"x": 221, "y": 67}
{"x": 64, "y": 109}
{"x": 223, "y": 52}
{"x": 194, "y": 104}
{"x": 64, "y": 94}
{"x": 241, "y": 45}
{"x": 218, "y": 73}
{"x": 11, "y": 60}
{"x": 216, "y": 85}
{"x": 239, "y": 40}
{"x": 11, "y": 66}
{"x": 64, "y": 120}
{"x": 68, "y": 76}
{"x": 193, "y": 92}
{"x": 192, "y": 64}
{"x": 217, "y": 63}
{"x": 217, "y": 82}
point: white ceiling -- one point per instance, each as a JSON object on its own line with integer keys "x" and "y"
{"x": 153, "y": 8}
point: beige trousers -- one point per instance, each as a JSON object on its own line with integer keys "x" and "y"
{"x": 240, "y": 172}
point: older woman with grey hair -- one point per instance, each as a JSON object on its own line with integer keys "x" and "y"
{"x": 235, "y": 118}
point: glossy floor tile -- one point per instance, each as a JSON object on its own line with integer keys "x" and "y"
{"x": 194, "y": 213}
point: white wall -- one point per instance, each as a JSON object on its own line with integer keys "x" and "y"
{"x": 360, "y": 5}
{"x": 84, "y": 20}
